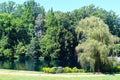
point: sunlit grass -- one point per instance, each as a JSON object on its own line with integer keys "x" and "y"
{"x": 15, "y": 77}
{"x": 26, "y": 75}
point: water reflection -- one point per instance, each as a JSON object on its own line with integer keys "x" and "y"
{"x": 21, "y": 65}
{"x": 32, "y": 64}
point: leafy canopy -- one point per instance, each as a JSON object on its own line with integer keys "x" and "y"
{"x": 94, "y": 42}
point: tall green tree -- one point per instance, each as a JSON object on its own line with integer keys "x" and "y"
{"x": 58, "y": 44}
{"x": 94, "y": 43}
{"x": 7, "y": 30}
{"x": 31, "y": 11}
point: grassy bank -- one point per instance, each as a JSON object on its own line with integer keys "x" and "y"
{"x": 32, "y": 75}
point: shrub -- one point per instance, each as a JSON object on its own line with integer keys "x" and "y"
{"x": 45, "y": 70}
{"x": 118, "y": 68}
{"x": 59, "y": 70}
{"x": 67, "y": 70}
{"x": 63, "y": 70}
{"x": 49, "y": 70}
{"x": 81, "y": 70}
{"x": 75, "y": 69}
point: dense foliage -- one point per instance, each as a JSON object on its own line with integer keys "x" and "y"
{"x": 95, "y": 41}
{"x": 62, "y": 70}
{"x": 28, "y": 32}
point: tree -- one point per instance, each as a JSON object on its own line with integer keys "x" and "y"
{"x": 39, "y": 26}
{"x": 7, "y": 7}
{"x": 63, "y": 19}
{"x": 33, "y": 53}
{"x": 113, "y": 21}
{"x": 20, "y": 51}
{"x": 33, "y": 7}
{"x": 12, "y": 28}
{"x": 33, "y": 49}
{"x": 31, "y": 11}
{"x": 116, "y": 50}
{"x": 51, "y": 20}
{"x": 94, "y": 42}
{"x": 7, "y": 30}
{"x": 4, "y": 45}
{"x": 109, "y": 17}
{"x": 58, "y": 44}
{"x": 22, "y": 34}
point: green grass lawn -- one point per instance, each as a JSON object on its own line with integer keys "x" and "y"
{"x": 12, "y": 77}
{"x": 40, "y": 76}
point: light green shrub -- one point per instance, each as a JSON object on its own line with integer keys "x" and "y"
{"x": 49, "y": 70}
{"x": 45, "y": 69}
{"x": 63, "y": 70}
{"x": 118, "y": 68}
{"x": 75, "y": 69}
{"x": 67, "y": 70}
{"x": 81, "y": 70}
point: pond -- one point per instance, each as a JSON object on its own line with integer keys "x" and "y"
{"x": 30, "y": 65}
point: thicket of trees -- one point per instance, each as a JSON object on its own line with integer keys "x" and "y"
{"x": 60, "y": 38}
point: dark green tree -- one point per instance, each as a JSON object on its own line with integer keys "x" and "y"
{"x": 33, "y": 53}
{"x": 33, "y": 49}
{"x": 20, "y": 51}
{"x": 58, "y": 44}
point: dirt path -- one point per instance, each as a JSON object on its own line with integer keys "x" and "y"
{"x": 22, "y": 73}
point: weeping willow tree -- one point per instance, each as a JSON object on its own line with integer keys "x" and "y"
{"x": 95, "y": 42}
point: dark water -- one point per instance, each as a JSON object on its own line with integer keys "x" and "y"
{"x": 29, "y": 64}
{"x": 22, "y": 65}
